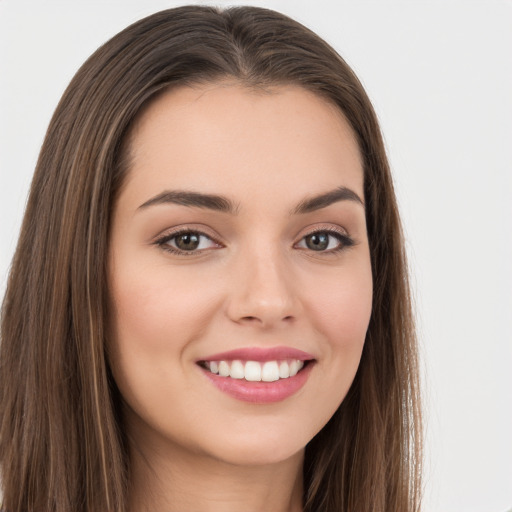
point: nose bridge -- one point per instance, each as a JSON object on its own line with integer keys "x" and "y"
{"x": 263, "y": 289}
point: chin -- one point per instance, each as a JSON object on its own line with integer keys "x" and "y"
{"x": 259, "y": 454}
{"x": 262, "y": 446}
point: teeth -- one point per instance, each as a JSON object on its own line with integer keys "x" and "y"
{"x": 237, "y": 370}
{"x": 254, "y": 371}
{"x": 284, "y": 370}
{"x": 294, "y": 367}
{"x": 270, "y": 371}
{"x": 223, "y": 369}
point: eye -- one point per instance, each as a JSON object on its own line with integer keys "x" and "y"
{"x": 325, "y": 241}
{"x": 186, "y": 242}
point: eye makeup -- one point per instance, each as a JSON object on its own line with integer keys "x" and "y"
{"x": 188, "y": 241}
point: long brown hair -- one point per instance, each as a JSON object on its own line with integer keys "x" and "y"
{"x": 62, "y": 446}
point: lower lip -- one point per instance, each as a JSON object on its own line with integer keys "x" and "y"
{"x": 261, "y": 392}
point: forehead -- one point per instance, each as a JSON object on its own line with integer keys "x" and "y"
{"x": 227, "y": 138}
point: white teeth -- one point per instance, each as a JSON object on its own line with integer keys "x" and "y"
{"x": 294, "y": 368}
{"x": 223, "y": 369}
{"x": 284, "y": 370}
{"x": 270, "y": 371}
{"x": 237, "y": 370}
{"x": 254, "y": 371}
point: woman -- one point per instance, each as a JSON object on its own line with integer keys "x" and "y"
{"x": 208, "y": 307}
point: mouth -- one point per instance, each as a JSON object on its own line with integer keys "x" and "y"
{"x": 255, "y": 371}
{"x": 259, "y": 375}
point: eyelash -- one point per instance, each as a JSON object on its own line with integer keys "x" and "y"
{"x": 163, "y": 242}
{"x": 344, "y": 240}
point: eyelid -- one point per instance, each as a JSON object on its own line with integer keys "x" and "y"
{"x": 161, "y": 240}
{"x": 167, "y": 235}
{"x": 336, "y": 231}
{"x": 323, "y": 227}
{"x": 185, "y": 228}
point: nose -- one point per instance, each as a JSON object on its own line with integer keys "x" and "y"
{"x": 262, "y": 291}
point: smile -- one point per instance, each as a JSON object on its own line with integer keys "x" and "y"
{"x": 259, "y": 375}
{"x": 255, "y": 371}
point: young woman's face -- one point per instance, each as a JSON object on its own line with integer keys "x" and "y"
{"x": 240, "y": 273}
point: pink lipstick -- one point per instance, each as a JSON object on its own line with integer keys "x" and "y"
{"x": 258, "y": 375}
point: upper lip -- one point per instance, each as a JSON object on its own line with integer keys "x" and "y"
{"x": 259, "y": 354}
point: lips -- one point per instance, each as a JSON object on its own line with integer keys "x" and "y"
{"x": 261, "y": 354}
{"x": 258, "y": 375}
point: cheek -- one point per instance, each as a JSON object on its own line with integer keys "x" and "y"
{"x": 341, "y": 308}
{"x": 156, "y": 316}
{"x": 153, "y": 307}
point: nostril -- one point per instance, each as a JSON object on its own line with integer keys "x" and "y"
{"x": 250, "y": 318}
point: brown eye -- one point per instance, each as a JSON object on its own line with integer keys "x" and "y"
{"x": 317, "y": 241}
{"x": 325, "y": 241}
{"x": 187, "y": 241}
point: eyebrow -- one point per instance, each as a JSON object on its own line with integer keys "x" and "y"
{"x": 193, "y": 199}
{"x": 323, "y": 200}
{"x": 225, "y": 205}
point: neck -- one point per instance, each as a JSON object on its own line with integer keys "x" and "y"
{"x": 173, "y": 480}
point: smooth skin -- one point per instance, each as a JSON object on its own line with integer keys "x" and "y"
{"x": 263, "y": 273}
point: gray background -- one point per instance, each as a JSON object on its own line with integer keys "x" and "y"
{"x": 440, "y": 76}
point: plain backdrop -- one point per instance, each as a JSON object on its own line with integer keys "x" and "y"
{"x": 440, "y": 76}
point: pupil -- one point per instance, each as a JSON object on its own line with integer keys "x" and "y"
{"x": 317, "y": 241}
{"x": 188, "y": 241}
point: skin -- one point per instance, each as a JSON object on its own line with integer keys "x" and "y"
{"x": 253, "y": 282}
